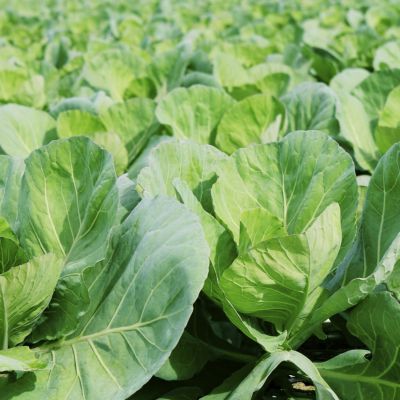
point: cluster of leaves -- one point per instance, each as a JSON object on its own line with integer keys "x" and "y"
{"x": 199, "y": 200}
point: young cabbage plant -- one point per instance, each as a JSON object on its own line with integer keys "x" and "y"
{"x": 285, "y": 238}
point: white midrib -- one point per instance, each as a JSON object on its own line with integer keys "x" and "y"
{"x": 79, "y": 235}
{"x": 295, "y": 318}
{"x": 378, "y": 251}
{"x": 120, "y": 329}
{"x": 49, "y": 213}
{"x": 5, "y": 321}
{"x": 358, "y": 378}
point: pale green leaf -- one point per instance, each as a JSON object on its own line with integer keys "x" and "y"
{"x": 24, "y": 129}
{"x": 168, "y": 68}
{"x": 193, "y": 163}
{"x": 68, "y": 201}
{"x": 355, "y": 127}
{"x": 293, "y": 180}
{"x": 11, "y": 254}
{"x": 17, "y": 85}
{"x": 229, "y": 72}
{"x": 113, "y": 144}
{"x": 133, "y": 121}
{"x": 194, "y": 113}
{"x": 258, "y": 225}
{"x": 222, "y": 253}
{"x": 143, "y": 158}
{"x": 380, "y": 221}
{"x": 11, "y": 170}
{"x": 280, "y": 280}
{"x": 374, "y": 89}
{"x": 78, "y": 122}
{"x": 346, "y": 80}
{"x": 388, "y": 129}
{"x": 342, "y": 296}
{"x": 387, "y": 56}
{"x": 256, "y": 119}
{"x": 311, "y": 106}
{"x": 272, "y": 78}
{"x": 20, "y": 359}
{"x": 25, "y": 291}
{"x": 113, "y": 70}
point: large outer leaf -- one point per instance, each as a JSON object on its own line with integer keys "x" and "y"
{"x": 294, "y": 180}
{"x": 256, "y": 119}
{"x": 23, "y": 129}
{"x": 25, "y": 291}
{"x": 311, "y": 106}
{"x": 376, "y": 322}
{"x": 194, "y": 113}
{"x": 68, "y": 201}
{"x": 197, "y": 165}
{"x": 141, "y": 300}
{"x": 381, "y": 218}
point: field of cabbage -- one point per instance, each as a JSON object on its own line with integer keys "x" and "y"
{"x": 199, "y": 200}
